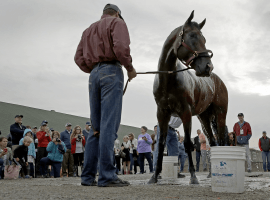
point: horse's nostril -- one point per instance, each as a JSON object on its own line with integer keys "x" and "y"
{"x": 210, "y": 67}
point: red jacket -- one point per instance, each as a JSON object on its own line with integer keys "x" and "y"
{"x": 73, "y": 144}
{"x": 244, "y": 138}
{"x": 105, "y": 40}
{"x": 43, "y": 140}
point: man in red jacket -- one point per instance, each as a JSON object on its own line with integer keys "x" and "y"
{"x": 243, "y": 133}
{"x": 103, "y": 49}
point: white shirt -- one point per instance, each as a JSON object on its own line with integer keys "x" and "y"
{"x": 175, "y": 122}
{"x": 135, "y": 143}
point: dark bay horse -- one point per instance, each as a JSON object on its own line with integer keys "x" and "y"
{"x": 186, "y": 94}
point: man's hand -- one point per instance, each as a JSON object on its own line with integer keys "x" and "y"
{"x": 17, "y": 159}
{"x": 131, "y": 74}
{"x": 122, "y": 148}
{"x": 26, "y": 164}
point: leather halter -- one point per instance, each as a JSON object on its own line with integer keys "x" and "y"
{"x": 195, "y": 54}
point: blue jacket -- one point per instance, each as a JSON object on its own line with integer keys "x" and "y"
{"x": 31, "y": 148}
{"x": 55, "y": 152}
{"x": 181, "y": 148}
{"x": 86, "y": 134}
{"x": 65, "y": 137}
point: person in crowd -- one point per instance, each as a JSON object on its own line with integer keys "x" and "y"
{"x": 154, "y": 146}
{"x": 34, "y": 132}
{"x": 182, "y": 154}
{"x": 52, "y": 130}
{"x": 264, "y": 145}
{"x": 77, "y": 149}
{"x": 232, "y": 139}
{"x": 31, "y": 156}
{"x": 117, "y": 148}
{"x": 171, "y": 140}
{"x": 86, "y": 131}
{"x": 68, "y": 161}
{"x": 125, "y": 147}
{"x": 104, "y": 46}
{"x": 0, "y": 132}
{"x": 20, "y": 156}
{"x": 197, "y": 148}
{"x": 144, "y": 149}
{"x": 5, "y": 155}
{"x": 202, "y": 139}
{"x": 133, "y": 152}
{"x": 16, "y": 131}
{"x": 243, "y": 133}
{"x": 44, "y": 137}
{"x": 9, "y": 138}
{"x": 56, "y": 149}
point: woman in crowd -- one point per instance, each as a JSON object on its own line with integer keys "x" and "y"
{"x": 44, "y": 137}
{"x": 133, "y": 152}
{"x": 31, "y": 152}
{"x": 232, "y": 139}
{"x": 117, "y": 149}
{"x": 144, "y": 149}
{"x": 125, "y": 147}
{"x": 77, "y": 149}
{"x": 56, "y": 148}
{"x": 182, "y": 153}
{"x": 5, "y": 155}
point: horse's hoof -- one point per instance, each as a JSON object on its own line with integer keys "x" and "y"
{"x": 193, "y": 181}
{"x": 152, "y": 180}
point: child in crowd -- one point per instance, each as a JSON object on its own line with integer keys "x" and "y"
{"x": 56, "y": 148}
{"x": 77, "y": 149}
{"x": 125, "y": 148}
{"x": 31, "y": 151}
{"x": 21, "y": 156}
{"x": 182, "y": 154}
{"x": 5, "y": 155}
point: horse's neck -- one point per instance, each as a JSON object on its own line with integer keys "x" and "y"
{"x": 167, "y": 60}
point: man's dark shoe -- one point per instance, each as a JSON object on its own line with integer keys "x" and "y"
{"x": 205, "y": 170}
{"x": 249, "y": 171}
{"x": 116, "y": 183}
{"x": 209, "y": 175}
{"x": 94, "y": 183}
{"x": 181, "y": 175}
{"x": 159, "y": 177}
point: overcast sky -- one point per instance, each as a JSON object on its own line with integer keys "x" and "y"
{"x": 38, "y": 40}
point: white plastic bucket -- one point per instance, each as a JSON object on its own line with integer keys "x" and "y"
{"x": 228, "y": 169}
{"x": 169, "y": 167}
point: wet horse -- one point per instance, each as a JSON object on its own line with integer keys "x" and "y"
{"x": 186, "y": 93}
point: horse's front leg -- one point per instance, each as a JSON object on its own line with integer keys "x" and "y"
{"x": 163, "y": 120}
{"x": 186, "y": 118}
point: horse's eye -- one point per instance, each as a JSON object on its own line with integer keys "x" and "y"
{"x": 193, "y": 35}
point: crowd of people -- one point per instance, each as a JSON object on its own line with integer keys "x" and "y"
{"x": 44, "y": 152}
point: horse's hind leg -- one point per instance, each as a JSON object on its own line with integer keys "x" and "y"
{"x": 220, "y": 117}
{"x": 163, "y": 119}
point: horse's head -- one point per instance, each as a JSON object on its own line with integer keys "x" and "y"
{"x": 189, "y": 46}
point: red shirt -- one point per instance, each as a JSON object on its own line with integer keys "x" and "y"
{"x": 43, "y": 140}
{"x": 246, "y": 129}
{"x": 73, "y": 144}
{"x": 260, "y": 146}
{"x": 105, "y": 40}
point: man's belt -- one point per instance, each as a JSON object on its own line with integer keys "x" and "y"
{"x": 172, "y": 128}
{"x": 113, "y": 62}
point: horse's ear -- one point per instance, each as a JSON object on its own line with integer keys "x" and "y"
{"x": 202, "y": 24}
{"x": 190, "y": 17}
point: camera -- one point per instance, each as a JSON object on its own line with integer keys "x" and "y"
{"x": 58, "y": 140}
{"x": 79, "y": 137}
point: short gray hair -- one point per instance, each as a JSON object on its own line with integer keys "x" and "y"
{"x": 27, "y": 138}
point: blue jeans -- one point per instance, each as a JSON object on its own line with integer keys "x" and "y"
{"x": 198, "y": 157}
{"x": 182, "y": 159}
{"x": 1, "y": 167}
{"x": 105, "y": 93}
{"x": 148, "y": 158}
{"x": 44, "y": 162}
{"x": 266, "y": 156}
{"x": 171, "y": 142}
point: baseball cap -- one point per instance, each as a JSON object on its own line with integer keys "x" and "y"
{"x": 19, "y": 116}
{"x": 43, "y": 124}
{"x": 68, "y": 124}
{"x": 114, "y": 7}
{"x": 264, "y": 132}
{"x": 51, "y": 129}
{"x": 34, "y": 127}
{"x": 88, "y": 123}
{"x": 240, "y": 114}
{"x": 45, "y": 121}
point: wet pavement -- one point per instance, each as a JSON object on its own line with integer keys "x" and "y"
{"x": 257, "y": 187}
